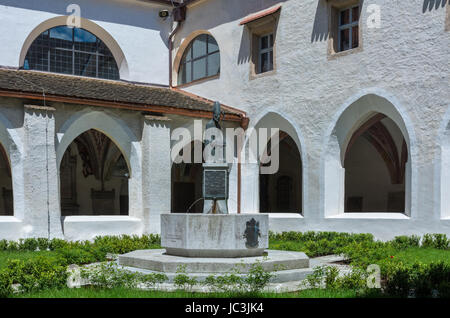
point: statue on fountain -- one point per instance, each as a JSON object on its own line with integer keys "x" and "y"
{"x": 215, "y": 170}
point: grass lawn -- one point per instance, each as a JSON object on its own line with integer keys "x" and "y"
{"x": 375, "y": 254}
{"x": 423, "y": 255}
{"x": 407, "y": 256}
{"x": 135, "y": 293}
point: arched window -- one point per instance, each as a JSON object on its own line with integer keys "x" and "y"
{"x": 201, "y": 59}
{"x": 71, "y": 51}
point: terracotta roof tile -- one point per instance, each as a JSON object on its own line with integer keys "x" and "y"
{"x": 102, "y": 90}
{"x": 260, "y": 15}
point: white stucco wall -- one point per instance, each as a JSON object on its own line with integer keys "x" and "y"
{"x": 401, "y": 71}
{"x": 404, "y": 61}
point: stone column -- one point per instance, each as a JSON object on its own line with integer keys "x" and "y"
{"x": 42, "y": 214}
{"x": 249, "y": 188}
{"x": 156, "y": 171}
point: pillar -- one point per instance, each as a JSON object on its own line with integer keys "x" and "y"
{"x": 42, "y": 213}
{"x": 156, "y": 171}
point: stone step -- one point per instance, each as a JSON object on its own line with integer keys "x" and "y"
{"x": 282, "y": 276}
{"x": 157, "y": 260}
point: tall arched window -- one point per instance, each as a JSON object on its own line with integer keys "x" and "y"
{"x": 201, "y": 59}
{"x": 71, "y": 51}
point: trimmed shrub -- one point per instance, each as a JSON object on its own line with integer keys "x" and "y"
{"x": 3, "y": 245}
{"x": 404, "y": 242}
{"x": 29, "y": 244}
{"x": 79, "y": 256}
{"x": 125, "y": 243}
{"x": 420, "y": 280}
{"x": 438, "y": 241}
{"x": 12, "y": 246}
{"x": 34, "y": 274}
{"x": 57, "y": 244}
{"x": 329, "y": 277}
{"x": 43, "y": 243}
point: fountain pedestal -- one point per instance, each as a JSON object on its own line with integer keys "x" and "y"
{"x": 215, "y": 235}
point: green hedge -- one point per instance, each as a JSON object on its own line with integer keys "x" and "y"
{"x": 316, "y": 243}
{"x": 419, "y": 280}
{"x": 109, "y": 244}
{"x": 34, "y": 274}
{"x": 362, "y": 249}
{"x": 51, "y": 272}
{"x": 399, "y": 279}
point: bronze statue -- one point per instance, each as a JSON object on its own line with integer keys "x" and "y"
{"x": 214, "y": 123}
{"x": 216, "y": 168}
{"x": 217, "y": 113}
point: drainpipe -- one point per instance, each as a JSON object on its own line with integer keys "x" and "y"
{"x": 244, "y": 124}
{"x": 178, "y": 16}
{"x": 171, "y": 35}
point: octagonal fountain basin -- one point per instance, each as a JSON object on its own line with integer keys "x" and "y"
{"x": 215, "y": 235}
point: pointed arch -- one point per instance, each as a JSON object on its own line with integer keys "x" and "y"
{"x": 273, "y": 119}
{"x": 352, "y": 115}
{"x": 12, "y": 149}
{"x": 120, "y": 134}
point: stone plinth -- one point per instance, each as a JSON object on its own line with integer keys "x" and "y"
{"x": 158, "y": 261}
{"x": 215, "y": 235}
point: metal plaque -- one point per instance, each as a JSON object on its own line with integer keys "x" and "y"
{"x": 215, "y": 184}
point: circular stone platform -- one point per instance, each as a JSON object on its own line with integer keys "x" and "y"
{"x": 287, "y": 266}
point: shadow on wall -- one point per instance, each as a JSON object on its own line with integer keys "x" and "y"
{"x": 249, "y": 7}
{"x": 95, "y": 10}
{"x": 429, "y": 5}
{"x": 320, "y": 27}
{"x": 244, "y": 47}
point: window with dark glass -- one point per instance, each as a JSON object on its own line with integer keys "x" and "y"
{"x": 71, "y": 51}
{"x": 348, "y": 28}
{"x": 265, "y": 57}
{"x": 201, "y": 59}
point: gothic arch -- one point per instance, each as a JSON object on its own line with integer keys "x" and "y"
{"x": 86, "y": 24}
{"x": 272, "y": 118}
{"x": 12, "y": 149}
{"x": 356, "y": 112}
{"x": 119, "y": 133}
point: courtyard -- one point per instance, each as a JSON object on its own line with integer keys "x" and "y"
{"x": 409, "y": 267}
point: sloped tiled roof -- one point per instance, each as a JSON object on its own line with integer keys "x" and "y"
{"x": 103, "y": 90}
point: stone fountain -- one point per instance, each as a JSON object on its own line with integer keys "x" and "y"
{"x": 216, "y": 241}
